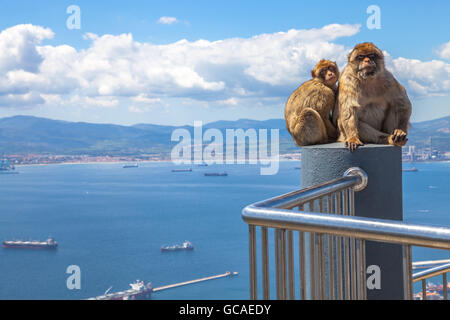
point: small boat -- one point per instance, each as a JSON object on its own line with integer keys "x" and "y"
{"x": 7, "y": 168}
{"x": 186, "y": 245}
{"x": 414, "y": 169}
{"x": 216, "y": 174}
{"x": 182, "y": 170}
{"x": 202, "y": 165}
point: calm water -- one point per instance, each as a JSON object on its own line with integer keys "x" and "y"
{"x": 111, "y": 222}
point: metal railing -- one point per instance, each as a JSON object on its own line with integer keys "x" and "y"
{"x": 331, "y": 241}
{"x": 430, "y": 273}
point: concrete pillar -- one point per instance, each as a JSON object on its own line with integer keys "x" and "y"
{"x": 382, "y": 198}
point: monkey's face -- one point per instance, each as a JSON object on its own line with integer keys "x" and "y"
{"x": 366, "y": 60}
{"x": 367, "y": 65}
{"x": 329, "y": 76}
{"x": 327, "y": 72}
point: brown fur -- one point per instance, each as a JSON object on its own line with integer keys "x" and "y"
{"x": 372, "y": 107}
{"x": 307, "y": 111}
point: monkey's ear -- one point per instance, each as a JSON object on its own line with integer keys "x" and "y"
{"x": 313, "y": 74}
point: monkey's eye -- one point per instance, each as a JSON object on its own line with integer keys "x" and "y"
{"x": 371, "y": 56}
{"x": 360, "y": 57}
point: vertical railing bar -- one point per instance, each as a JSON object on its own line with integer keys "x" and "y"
{"x": 354, "y": 272}
{"x": 277, "y": 264}
{"x": 301, "y": 245}
{"x": 302, "y": 264}
{"x": 291, "y": 265}
{"x": 361, "y": 269}
{"x": 320, "y": 258}
{"x": 312, "y": 258}
{"x": 312, "y": 265}
{"x": 265, "y": 263}
{"x": 331, "y": 253}
{"x": 346, "y": 249}
{"x": 339, "y": 251}
{"x": 318, "y": 265}
{"x": 321, "y": 243}
{"x": 407, "y": 271}
{"x": 444, "y": 285}
{"x": 252, "y": 253}
{"x": 320, "y": 204}
{"x": 424, "y": 289}
{"x": 283, "y": 263}
{"x": 347, "y": 279}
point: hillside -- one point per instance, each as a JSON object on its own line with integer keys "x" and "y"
{"x": 32, "y": 135}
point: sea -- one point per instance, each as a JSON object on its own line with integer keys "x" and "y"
{"x": 111, "y": 222}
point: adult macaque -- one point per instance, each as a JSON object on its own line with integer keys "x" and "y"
{"x": 307, "y": 111}
{"x": 372, "y": 107}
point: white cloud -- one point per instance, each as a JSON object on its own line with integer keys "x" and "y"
{"x": 143, "y": 98}
{"x": 444, "y": 51}
{"x": 101, "y": 102}
{"x": 116, "y": 69}
{"x": 421, "y": 78}
{"x": 168, "y": 20}
{"x": 18, "y": 47}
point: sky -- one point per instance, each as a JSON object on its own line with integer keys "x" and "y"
{"x": 176, "y": 62}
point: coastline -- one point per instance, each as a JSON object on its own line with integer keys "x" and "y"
{"x": 169, "y": 161}
{"x": 87, "y": 162}
{"x": 126, "y": 162}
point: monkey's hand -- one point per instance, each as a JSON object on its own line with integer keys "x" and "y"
{"x": 352, "y": 143}
{"x": 398, "y": 138}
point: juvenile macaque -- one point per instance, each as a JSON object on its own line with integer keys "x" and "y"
{"x": 372, "y": 107}
{"x": 307, "y": 111}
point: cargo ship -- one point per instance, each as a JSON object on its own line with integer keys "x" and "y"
{"x": 216, "y": 174}
{"x": 130, "y": 166}
{"x": 50, "y": 243}
{"x": 6, "y": 167}
{"x": 139, "y": 291}
{"x": 182, "y": 170}
{"x": 186, "y": 245}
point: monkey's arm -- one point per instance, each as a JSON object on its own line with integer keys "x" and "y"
{"x": 401, "y": 107}
{"x": 347, "y": 116}
{"x": 349, "y": 124}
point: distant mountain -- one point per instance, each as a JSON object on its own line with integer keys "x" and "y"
{"x": 26, "y": 134}
{"x": 435, "y": 133}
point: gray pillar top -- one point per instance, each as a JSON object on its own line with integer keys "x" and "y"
{"x": 382, "y": 163}
{"x": 341, "y": 145}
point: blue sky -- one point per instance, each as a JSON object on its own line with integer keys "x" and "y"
{"x": 215, "y": 79}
